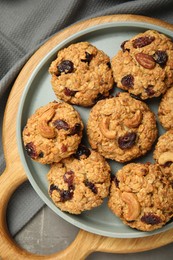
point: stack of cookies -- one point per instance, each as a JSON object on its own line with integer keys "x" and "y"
{"x": 119, "y": 128}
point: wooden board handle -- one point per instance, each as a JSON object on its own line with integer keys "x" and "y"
{"x": 85, "y": 242}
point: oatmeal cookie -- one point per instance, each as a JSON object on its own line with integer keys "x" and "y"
{"x": 53, "y": 132}
{"x": 141, "y": 196}
{"x": 80, "y": 182}
{"x": 121, "y": 128}
{"x": 144, "y": 66}
{"x": 163, "y": 153}
{"x": 165, "y": 111}
{"x": 81, "y": 74}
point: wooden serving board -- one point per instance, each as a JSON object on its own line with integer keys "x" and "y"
{"x": 14, "y": 175}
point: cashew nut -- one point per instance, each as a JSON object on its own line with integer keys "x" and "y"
{"x": 133, "y": 206}
{"x": 44, "y": 129}
{"x": 165, "y": 157}
{"x": 104, "y": 128}
{"x": 135, "y": 120}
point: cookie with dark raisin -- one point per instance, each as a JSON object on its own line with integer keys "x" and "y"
{"x": 144, "y": 66}
{"x": 81, "y": 74}
{"x": 80, "y": 182}
{"x": 53, "y": 132}
{"x": 141, "y": 196}
{"x": 163, "y": 153}
{"x": 165, "y": 110}
{"x": 121, "y": 128}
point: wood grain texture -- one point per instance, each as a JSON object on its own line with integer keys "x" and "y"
{"x": 85, "y": 242}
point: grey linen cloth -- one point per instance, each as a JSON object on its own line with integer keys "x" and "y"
{"x": 24, "y": 26}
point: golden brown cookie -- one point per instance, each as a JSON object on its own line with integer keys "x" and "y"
{"x": 81, "y": 74}
{"x": 53, "y": 132}
{"x": 144, "y": 66}
{"x": 142, "y": 196}
{"x": 121, "y": 128}
{"x": 163, "y": 153}
{"x": 165, "y": 111}
{"x": 80, "y": 182}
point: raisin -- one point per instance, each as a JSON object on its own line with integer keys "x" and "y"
{"x": 82, "y": 150}
{"x": 88, "y": 57}
{"x": 123, "y": 46}
{"x": 127, "y": 141}
{"x": 149, "y": 90}
{"x": 52, "y": 188}
{"x": 142, "y": 41}
{"x": 31, "y": 150}
{"x": 75, "y": 129}
{"x": 66, "y": 195}
{"x": 69, "y": 177}
{"x": 66, "y": 66}
{"x": 128, "y": 81}
{"x": 91, "y": 186}
{"x": 41, "y": 155}
{"x": 61, "y": 124}
{"x": 167, "y": 164}
{"x": 69, "y": 92}
{"x": 160, "y": 57}
{"x": 151, "y": 219}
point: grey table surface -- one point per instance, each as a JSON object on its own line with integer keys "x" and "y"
{"x": 47, "y": 233}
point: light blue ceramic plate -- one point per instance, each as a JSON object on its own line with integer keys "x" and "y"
{"x": 38, "y": 91}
